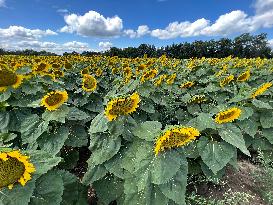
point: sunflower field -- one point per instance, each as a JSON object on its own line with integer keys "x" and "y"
{"x": 130, "y": 131}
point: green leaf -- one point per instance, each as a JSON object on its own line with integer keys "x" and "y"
{"x": 70, "y": 159}
{"x": 52, "y": 143}
{"x": 210, "y": 176}
{"x": 94, "y": 173}
{"x": 249, "y": 126}
{"x": 42, "y": 161}
{"x": 104, "y": 150}
{"x": 148, "y": 130}
{"x": 19, "y": 195}
{"x": 74, "y": 192}
{"x": 49, "y": 190}
{"x": 232, "y": 134}
{"x": 4, "y": 96}
{"x": 261, "y": 104}
{"x": 203, "y": 121}
{"x": 268, "y": 134}
{"x": 58, "y": 115}
{"x": 4, "y": 119}
{"x": 78, "y": 137}
{"x": 266, "y": 119}
{"x": 147, "y": 107}
{"x": 216, "y": 155}
{"x": 108, "y": 189}
{"x": 175, "y": 189}
{"x": 98, "y": 124}
{"x": 246, "y": 113}
{"x": 77, "y": 114}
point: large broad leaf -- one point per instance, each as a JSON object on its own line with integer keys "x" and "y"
{"x": 49, "y": 190}
{"x": 268, "y": 134}
{"x": 215, "y": 155}
{"x": 261, "y": 104}
{"x": 74, "y": 192}
{"x": 78, "y": 137}
{"x": 98, "y": 124}
{"x": 4, "y": 119}
{"x": 249, "y": 126}
{"x": 151, "y": 195}
{"x": 103, "y": 148}
{"x": 42, "y": 161}
{"x": 52, "y": 143}
{"x": 58, "y": 115}
{"x": 246, "y": 113}
{"x": 175, "y": 189}
{"x": 266, "y": 119}
{"x": 232, "y": 134}
{"x": 76, "y": 114}
{"x": 4, "y": 96}
{"x": 108, "y": 189}
{"x": 148, "y": 130}
{"x": 19, "y": 195}
{"x": 94, "y": 173}
{"x": 203, "y": 121}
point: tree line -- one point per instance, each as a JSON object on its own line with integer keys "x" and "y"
{"x": 243, "y": 46}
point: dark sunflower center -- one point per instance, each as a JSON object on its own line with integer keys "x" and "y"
{"x": 41, "y": 67}
{"x": 10, "y": 171}
{"x": 242, "y": 77}
{"x": 54, "y": 99}
{"x": 89, "y": 83}
{"x": 226, "y": 116}
{"x": 121, "y": 107}
{"x": 7, "y": 78}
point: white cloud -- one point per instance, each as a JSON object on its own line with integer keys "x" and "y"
{"x": 93, "y": 24}
{"x": 183, "y": 29}
{"x": 19, "y": 32}
{"x": 62, "y": 11}
{"x": 234, "y": 22}
{"x": 47, "y": 46}
{"x": 2, "y": 3}
{"x": 105, "y": 45}
{"x": 141, "y": 31}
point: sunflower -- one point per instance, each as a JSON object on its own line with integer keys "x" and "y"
{"x": 261, "y": 90}
{"x": 89, "y": 83}
{"x": 147, "y": 75}
{"x": 187, "y": 84}
{"x": 53, "y": 100}
{"x": 228, "y": 115}
{"x": 171, "y": 79}
{"x": 159, "y": 80}
{"x": 9, "y": 78}
{"x": 244, "y": 76}
{"x": 14, "y": 167}
{"x": 41, "y": 68}
{"x": 175, "y": 137}
{"x": 226, "y": 80}
{"x": 122, "y": 106}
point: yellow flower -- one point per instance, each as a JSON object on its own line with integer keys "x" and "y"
{"x": 228, "y": 115}
{"x": 175, "y": 137}
{"x": 171, "y": 79}
{"x": 198, "y": 99}
{"x": 122, "y": 106}
{"x": 147, "y": 75}
{"x": 226, "y": 80}
{"x": 41, "y": 68}
{"x": 244, "y": 76}
{"x": 89, "y": 83}
{"x": 9, "y": 78}
{"x": 53, "y": 100}
{"x": 14, "y": 167}
{"x": 187, "y": 84}
{"x": 261, "y": 89}
{"x": 159, "y": 80}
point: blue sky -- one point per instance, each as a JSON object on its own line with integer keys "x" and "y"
{"x": 79, "y": 25}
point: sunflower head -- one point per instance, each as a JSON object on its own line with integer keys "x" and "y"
{"x": 148, "y": 75}
{"x": 197, "y": 99}
{"x": 170, "y": 79}
{"x": 53, "y": 100}
{"x": 228, "y": 115}
{"x": 261, "y": 90}
{"x": 122, "y": 106}
{"x": 175, "y": 137}
{"x": 89, "y": 83}
{"x": 14, "y": 167}
{"x": 187, "y": 84}
{"x": 9, "y": 78}
{"x": 244, "y": 76}
{"x": 41, "y": 67}
{"x": 226, "y": 80}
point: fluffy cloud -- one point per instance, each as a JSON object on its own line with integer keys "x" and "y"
{"x": 183, "y": 29}
{"x": 234, "y": 22}
{"x": 48, "y": 46}
{"x": 141, "y": 31}
{"x": 19, "y": 32}
{"x": 62, "y": 11}
{"x": 93, "y": 24}
{"x": 2, "y": 3}
{"x": 105, "y": 45}
{"x": 270, "y": 42}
